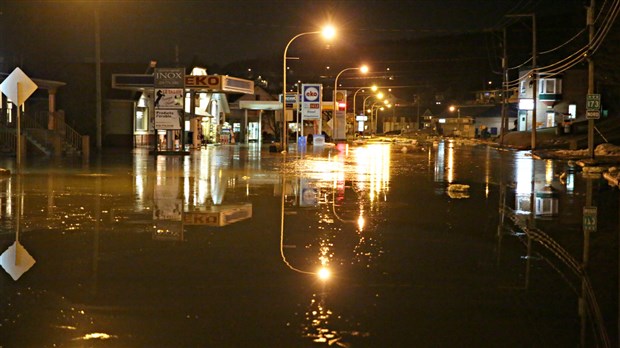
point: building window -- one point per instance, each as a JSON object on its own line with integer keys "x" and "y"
{"x": 523, "y": 88}
{"x": 572, "y": 111}
{"x": 550, "y": 86}
{"x": 142, "y": 124}
{"x": 550, "y": 118}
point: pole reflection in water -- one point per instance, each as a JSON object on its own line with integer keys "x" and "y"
{"x": 542, "y": 246}
{"x": 341, "y": 231}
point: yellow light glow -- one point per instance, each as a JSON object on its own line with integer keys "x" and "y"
{"x": 324, "y": 274}
{"x": 374, "y": 88}
{"x": 361, "y": 222}
{"x": 380, "y": 95}
{"x": 452, "y": 108}
{"x": 329, "y": 32}
{"x": 364, "y": 69}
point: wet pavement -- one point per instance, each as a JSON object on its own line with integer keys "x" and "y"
{"x": 434, "y": 245}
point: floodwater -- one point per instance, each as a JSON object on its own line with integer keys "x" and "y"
{"x": 350, "y": 246}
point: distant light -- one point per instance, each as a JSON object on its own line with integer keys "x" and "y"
{"x": 198, "y": 71}
{"x": 324, "y": 274}
{"x": 374, "y": 88}
{"x": 329, "y": 32}
{"x": 364, "y": 69}
{"x": 442, "y": 120}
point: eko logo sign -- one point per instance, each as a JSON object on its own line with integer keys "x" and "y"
{"x": 311, "y": 105}
{"x": 311, "y": 93}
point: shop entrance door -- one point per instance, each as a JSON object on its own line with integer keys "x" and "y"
{"x": 253, "y": 131}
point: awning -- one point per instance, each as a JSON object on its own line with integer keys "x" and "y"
{"x": 260, "y": 104}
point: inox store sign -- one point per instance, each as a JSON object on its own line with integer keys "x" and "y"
{"x": 169, "y": 77}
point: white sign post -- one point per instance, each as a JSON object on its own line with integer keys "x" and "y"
{"x": 18, "y": 87}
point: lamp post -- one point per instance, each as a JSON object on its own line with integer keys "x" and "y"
{"x": 327, "y": 32}
{"x": 372, "y": 88}
{"x": 374, "y": 110}
{"x": 379, "y": 96}
{"x": 458, "y": 111}
{"x": 363, "y": 69}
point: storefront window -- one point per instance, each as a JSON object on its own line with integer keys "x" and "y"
{"x": 142, "y": 119}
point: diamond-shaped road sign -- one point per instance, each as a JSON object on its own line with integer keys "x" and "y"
{"x": 18, "y": 87}
{"x": 16, "y": 260}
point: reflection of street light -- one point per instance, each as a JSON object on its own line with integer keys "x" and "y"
{"x": 363, "y": 69}
{"x": 327, "y": 32}
{"x": 323, "y": 273}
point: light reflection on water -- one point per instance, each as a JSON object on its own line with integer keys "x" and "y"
{"x": 335, "y": 213}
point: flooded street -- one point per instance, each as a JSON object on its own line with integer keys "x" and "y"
{"x": 349, "y": 246}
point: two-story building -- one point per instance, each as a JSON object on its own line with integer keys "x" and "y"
{"x": 559, "y": 98}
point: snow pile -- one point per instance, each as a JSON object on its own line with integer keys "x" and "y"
{"x": 607, "y": 150}
{"x": 458, "y": 191}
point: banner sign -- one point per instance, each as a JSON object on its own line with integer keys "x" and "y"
{"x": 169, "y": 98}
{"x": 169, "y": 94}
{"x": 311, "y": 101}
{"x": 168, "y": 119}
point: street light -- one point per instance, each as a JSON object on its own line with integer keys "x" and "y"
{"x": 372, "y": 88}
{"x": 379, "y": 96}
{"x": 382, "y": 105}
{"x": 328, "y": 32}
{"x": 458, "y": 111}
{"x": 363, "y": 69}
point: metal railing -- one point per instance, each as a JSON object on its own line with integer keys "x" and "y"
{"x": 43, "y": 127}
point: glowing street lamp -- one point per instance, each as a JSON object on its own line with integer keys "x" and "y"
{"x": 373, "y": 88}
{"x": 458, "y": 110}
{"x": 363, "y": 69}
{"x": 328, "y": 33}
{"x": 378, "y": 96}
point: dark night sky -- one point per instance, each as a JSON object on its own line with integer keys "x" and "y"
{"x": 224, "y": 31}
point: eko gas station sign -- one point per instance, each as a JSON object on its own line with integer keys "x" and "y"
{"x": 206, "y": 83}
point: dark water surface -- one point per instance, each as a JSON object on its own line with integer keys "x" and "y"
{"x": 435, "y": 246}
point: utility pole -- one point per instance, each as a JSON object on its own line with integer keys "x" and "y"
{"x": 534, "y": 79}
{"x": 98, "y": 77}
{"x": 504, "y": 88}
{"x": 590, "y": 23}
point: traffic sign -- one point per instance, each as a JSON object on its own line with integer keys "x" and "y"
{"x": 593, "y": 114}
{"x": 18, "y": 87}
{"x": 16, "y": 260}
{"x": 589, "y": 219}
{"x": 593, "y": 102}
